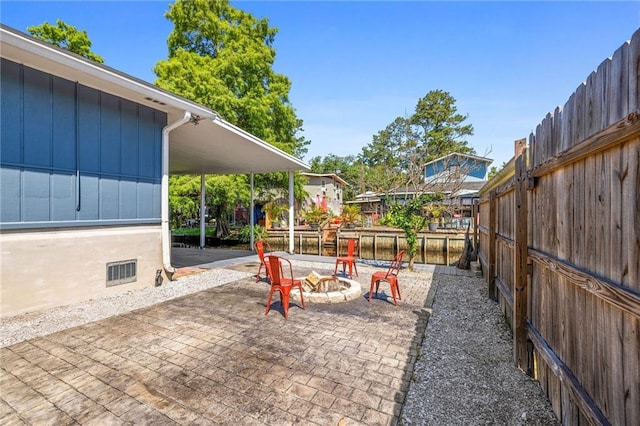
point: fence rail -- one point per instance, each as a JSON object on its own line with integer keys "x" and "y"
{"x": 560, "y": 247}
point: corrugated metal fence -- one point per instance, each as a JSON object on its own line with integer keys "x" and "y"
{"x": 560, "y": 247}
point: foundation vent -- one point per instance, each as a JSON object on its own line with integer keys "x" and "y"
{"x": 121, "y": 272}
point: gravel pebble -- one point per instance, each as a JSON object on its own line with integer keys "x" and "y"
{"x": 465, "y": 373}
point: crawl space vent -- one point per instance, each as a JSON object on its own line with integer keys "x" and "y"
{"x": 121, "y": 272}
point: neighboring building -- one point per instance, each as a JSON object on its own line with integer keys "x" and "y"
{"x": 456, "y": 168}
{"x": 457, "y": 176}
{"x": 325, "y": 192}
{"x": 85, "y": 156}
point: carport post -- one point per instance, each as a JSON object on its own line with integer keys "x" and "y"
{"x": 251, "y": 207}
{"x": 203, "y": 209}
{"x": 291, "y": 242}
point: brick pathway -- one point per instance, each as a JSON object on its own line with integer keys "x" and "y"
{"x": 214, "y": 358}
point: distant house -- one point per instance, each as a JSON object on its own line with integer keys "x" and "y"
{"x": 325, "y": 191}
{"x": 457, "y": 168}
{"x": 457, "y": 176}
{"x": 86, "y": 152}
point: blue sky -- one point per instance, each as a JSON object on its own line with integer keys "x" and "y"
{"x": 356, "y": 66}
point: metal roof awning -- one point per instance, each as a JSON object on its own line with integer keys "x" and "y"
{"x": 216, "y": 146}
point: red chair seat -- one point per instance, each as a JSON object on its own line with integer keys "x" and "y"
{"x": 389, "y": 276}
{"x": 348, "y": 261}
{"x": 281, "y": 283}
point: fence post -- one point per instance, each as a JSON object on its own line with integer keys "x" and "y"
{"x": 520, "y": 352}
{"x": 493, "y": 213}
{"x": 474, "y": 220}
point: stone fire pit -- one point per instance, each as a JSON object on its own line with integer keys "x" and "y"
{"x": 327, "y": 289}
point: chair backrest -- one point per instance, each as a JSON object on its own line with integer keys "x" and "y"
{"x": 260, "y": 246}
{"x": 396, "y": 264}
{"x": 351, "y": 247}
{"x": 276, "y": 269}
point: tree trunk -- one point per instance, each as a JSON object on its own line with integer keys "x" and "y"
{"x": 222, "y": 226}
{"x": 467, "y": 252}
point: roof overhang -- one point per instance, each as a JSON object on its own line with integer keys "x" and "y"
{"x": 212, "y": 146}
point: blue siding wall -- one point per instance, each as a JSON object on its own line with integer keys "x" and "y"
{"x": 72, "y": 155}
{"x": 470, "y": 167}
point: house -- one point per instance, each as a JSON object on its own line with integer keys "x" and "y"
{"x": 86, "y": 152}
{"x": 325, "y": 192}
{"x": 458, "y": 168}
{"x": 458, "y": 176}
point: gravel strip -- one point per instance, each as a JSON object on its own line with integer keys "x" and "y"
{"x": 465, "y": 373}
{"x": 24, "y": 327}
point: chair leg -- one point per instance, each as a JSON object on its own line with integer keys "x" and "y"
{"x": 268, "y": 308}
{"x": 371, "y": 289}
{"x": 301, "y": 298}
{"x": 393, "y": 292}
{"x": 335, "y": 271}
{"x": 259, "y": 270}
{"x": 355, "y": 268}
{"x": 284, "y": 300}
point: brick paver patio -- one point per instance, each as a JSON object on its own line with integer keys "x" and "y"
{"x": 213, "y": 357}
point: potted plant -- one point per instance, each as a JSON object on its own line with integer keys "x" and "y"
{"x": 314, "y": 216}
{"x": 434, "y": 213}
{"x": 274, "y": 212}
{"x": 350, "y": 215}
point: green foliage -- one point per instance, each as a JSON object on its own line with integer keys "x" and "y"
{"x": 411, "y": 218}
{"x": 314, "y": 215}
{"x": 259, "y": 233}
{"x": 439, "y": 127}
{"x": 184, "y": 199}
{"x": 396, "y": 155}
{"x": 223, "y": 58}
{"x": 494, "y": 171}
{"x": 351, "y": 213}
{"x": 66, "y": 37}
{"x": 274, "y": 210}
{"x": 192, "y": 231}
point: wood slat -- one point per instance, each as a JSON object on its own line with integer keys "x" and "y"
{"x": 558, "y": 368}
{"x": 615, "y": 294}
{"x": 616, "y": 134}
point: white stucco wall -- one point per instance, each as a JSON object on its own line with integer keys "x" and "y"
{"x": 47, "y": 268}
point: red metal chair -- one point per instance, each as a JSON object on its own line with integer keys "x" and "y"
{"x": 349, "y": 260}
{"x": 260, "y": 249}
{"x": 281, "y": 282}
{"x": 390, "y": 276}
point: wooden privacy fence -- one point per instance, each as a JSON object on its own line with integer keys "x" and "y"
{"x": 559, "y": 231}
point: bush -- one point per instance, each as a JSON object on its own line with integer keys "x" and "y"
{"x": 259, "y": 233}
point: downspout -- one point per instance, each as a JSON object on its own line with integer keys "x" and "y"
{"x": 164, "y": 189}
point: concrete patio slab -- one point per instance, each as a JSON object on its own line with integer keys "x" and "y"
{"x": 213, "y": 357}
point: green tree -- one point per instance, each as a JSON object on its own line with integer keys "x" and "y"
{"x": 411, "y": 218}
{"x": 223, "y": 193}
{"x": 434, "y": 130}
{"x": 439, "y": 127}
{"x": 184, "y": 199}
{"x": 66, "y": 37}
{"x": 222, "y": 57}
{"x": 494, "y": 170}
